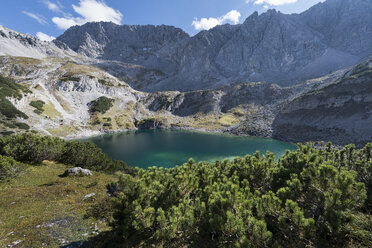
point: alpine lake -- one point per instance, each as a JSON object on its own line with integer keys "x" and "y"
{"x": 169, "y": 148}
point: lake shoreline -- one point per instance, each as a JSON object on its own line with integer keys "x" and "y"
{"x": 88, "y": 135}
{"x": 174, "y": 146}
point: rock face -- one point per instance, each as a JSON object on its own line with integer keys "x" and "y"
{"x": 77, "y": 172}
{"x": 273, "y": 47}
{"x": 340, "y": 112}
{"x": 150, "y": 46}
{"x": 345, "y": 24}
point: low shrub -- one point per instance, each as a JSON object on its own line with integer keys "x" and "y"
{"x": 101, "y": 105}
{"x": 38, "y": 105}
{"x": 33, "y": 149}
{"x": 309, "y": 198}
{"x": 22, "y": 125}
{"x": 9, "y": 168}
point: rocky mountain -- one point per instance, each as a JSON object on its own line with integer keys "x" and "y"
{"x": 336, "y": 107}
{"x": 272, "y": 47}
{"x": 149, "y": 46}
{"x": 17, "y": 44}
{"x": 275, "y": 75}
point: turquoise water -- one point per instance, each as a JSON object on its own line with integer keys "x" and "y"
{"x": 168, "y": 148}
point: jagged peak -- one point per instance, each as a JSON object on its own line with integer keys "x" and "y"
{"x": 270, "y": 13}
{"x": 107, "y": 25}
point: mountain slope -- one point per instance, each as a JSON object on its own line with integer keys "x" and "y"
{"x": 16, "y": 44}
{"x": 341, "y": 112}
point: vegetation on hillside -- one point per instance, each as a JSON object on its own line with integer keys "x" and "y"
{"x": 38, "y": 105}
{"x": 9, "y": 88}
{"x": 310, "y": 198}
{"x": 101, "y": 105}
{"x": 9, "y": 168}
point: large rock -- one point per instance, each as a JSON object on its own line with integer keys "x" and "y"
{"x": 77, "y": 172}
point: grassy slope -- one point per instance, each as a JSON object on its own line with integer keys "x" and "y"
{"x": 44, "y": 210}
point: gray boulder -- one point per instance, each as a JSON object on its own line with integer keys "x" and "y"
{"x": 77, "y": 172}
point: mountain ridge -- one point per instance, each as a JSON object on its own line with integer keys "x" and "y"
{"x": 273, "y": 47}
{"x": 17, "y": 44}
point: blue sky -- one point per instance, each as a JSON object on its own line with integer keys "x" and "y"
{"x": 49, "y": 18}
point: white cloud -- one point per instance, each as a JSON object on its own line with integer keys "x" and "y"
{"x": 44, "y": 37}
{"x": 208, "y": 23}
{"x": 272, "y": 2}
{"x": 40, "y": 19}
{"x": 65, "y": 23}
{"x": 89, "y": 11}
{"x": 52, "y": 6}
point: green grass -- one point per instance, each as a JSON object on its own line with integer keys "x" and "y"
{"x": 42, "y": 209}
{"x": 51, "y": 111}
{"x": 63, "y": 130}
